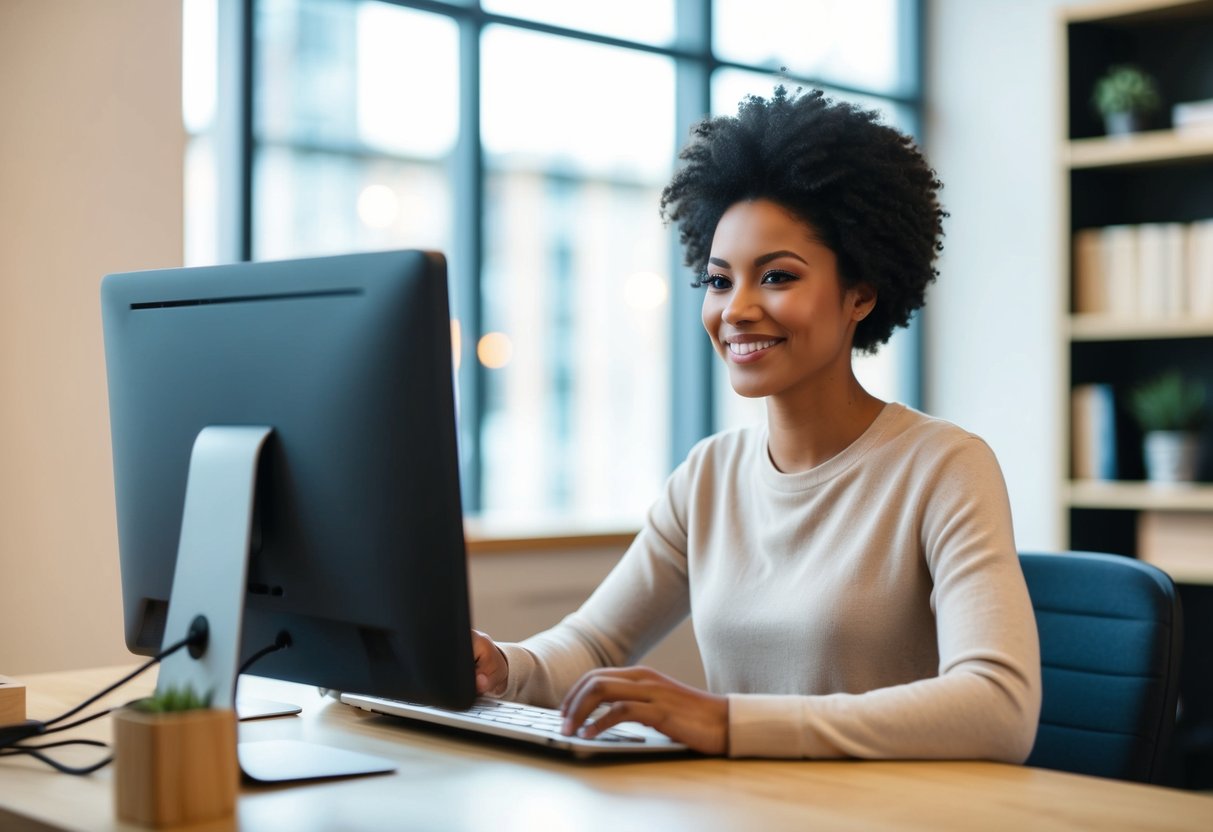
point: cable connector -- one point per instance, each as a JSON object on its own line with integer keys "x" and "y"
{"x": 199, "y": 636}
{"x": 18, "y": 731}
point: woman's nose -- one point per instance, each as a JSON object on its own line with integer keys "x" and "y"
{"x": 742, "y": 306}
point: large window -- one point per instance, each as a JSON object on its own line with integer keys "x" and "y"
{"x": 529, "y": 140}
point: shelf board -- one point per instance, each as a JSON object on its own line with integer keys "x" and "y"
{"x": 1140, "y": 495}
{"x": 1105, "y": 328}
{"x": 1135, "y": 12}
{"x": 1148, "y": 148}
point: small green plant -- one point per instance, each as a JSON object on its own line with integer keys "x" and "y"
{"x": 173, "y": 700}
{"x": 1126, "y": 89}
{"x": 1168, "y": 402}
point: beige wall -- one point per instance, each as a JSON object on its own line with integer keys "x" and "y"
{"x": 91, "y": 147}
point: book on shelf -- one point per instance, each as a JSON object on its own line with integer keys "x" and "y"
{"x": 1200, "y": 268}
{"x": 1160, "y": 270}
{"x": 1149, "y": 271}
{"x": 1119, "y": 260}
{"x": 1093, "y": 432}
{"x": 1090, "y": 289}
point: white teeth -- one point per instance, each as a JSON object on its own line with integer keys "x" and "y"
{"x": 747, "y": 348}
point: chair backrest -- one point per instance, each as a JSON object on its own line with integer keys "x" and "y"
{"x": 1110, "y": 641}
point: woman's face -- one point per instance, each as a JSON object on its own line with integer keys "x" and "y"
{"x": 775, "y": 308}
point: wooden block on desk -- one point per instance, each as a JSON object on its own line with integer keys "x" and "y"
{"x": 12, "y": 701}
{"x": 175, "y": 768}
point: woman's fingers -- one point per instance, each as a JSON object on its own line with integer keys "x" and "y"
{"x": 645, "y": 713}
{"x": 492, "y": 668}
{"x": 596, "y": 676}
{"x": 595, "y": 691}
{"x": 637, "y": 694}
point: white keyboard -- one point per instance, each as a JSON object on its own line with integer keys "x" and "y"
{"x": 528, "y": 723}
{"x": 545, "y": 720}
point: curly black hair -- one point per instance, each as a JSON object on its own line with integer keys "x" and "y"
{"x": 862, "y": 186}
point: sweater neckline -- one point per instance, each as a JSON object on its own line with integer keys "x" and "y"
{"x": 832, "y": 467}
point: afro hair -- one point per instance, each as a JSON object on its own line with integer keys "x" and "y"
{"x": 862, "y": 186}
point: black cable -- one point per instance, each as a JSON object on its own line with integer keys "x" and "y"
{"x": 85, "y": 719}
{"x": 11, "y": 736}
{"x": 152, "y": 662}
{"x": 281, "y": 642}
{"x": 35, "y": 751}
{"x": 25, "y": 749}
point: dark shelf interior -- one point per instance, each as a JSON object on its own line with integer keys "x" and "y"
{"x": 1158, "y": 193}
{"x": 1103, "y": 530}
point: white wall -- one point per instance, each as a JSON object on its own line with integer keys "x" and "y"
{"x": 992, "y": 345}
{"x": 91, "y": 146}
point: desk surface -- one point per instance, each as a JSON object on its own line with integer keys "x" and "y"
{"x": 449, "y": 783}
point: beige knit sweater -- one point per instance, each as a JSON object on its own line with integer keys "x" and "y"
{"x": 872, "y": 606}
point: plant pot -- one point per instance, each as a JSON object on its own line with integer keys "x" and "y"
{"x": 1123, "y": 124}
{"x": 1171, "y": 455}
{"x": 175, "y": 768}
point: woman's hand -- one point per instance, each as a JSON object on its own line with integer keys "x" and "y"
{"x": 492, "y": 668}
{"x": 694, "y": 717}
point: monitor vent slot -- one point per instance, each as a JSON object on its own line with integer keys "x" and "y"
{"x": 173, "y": 304}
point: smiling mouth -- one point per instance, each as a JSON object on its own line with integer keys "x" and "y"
{"x": 750, "y": 347}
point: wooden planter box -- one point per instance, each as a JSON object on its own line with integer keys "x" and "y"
{"x": 175, "y": 768}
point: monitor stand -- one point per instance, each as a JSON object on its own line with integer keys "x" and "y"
{"x": 249, "y": 708}
{"x": 208, "y": 593}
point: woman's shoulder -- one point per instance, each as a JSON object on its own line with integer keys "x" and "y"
{"x": 918, "y": 436}
{"x": 910, "y": 425}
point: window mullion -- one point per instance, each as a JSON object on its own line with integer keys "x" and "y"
{"x": 691, "y": 401}
{"x": 467, "y": 272}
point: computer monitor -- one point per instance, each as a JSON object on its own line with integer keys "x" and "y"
{"x": 340, "y": 370}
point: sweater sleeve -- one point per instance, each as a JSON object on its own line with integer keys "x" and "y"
{"x": 985, "y": 701}
{"x": 643, "y": 598}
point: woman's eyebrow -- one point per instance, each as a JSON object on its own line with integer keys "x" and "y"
{"x": 761, "y": 260}
{"x": 775, "y": 255}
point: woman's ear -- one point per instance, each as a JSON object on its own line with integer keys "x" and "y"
{"x": 862, "y": 300}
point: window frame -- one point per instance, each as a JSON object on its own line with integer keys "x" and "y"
{"x": 692, "y": 415}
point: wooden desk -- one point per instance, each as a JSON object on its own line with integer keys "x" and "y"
{"x": 447, "y": 783}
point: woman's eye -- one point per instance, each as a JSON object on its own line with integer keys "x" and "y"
{"x": 778, "y": 277}
{"x": 717, "y": 282}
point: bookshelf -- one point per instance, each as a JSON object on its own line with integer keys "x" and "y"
{"x": 1120, "y": 333}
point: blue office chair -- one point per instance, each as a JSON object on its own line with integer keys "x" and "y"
{"x": 1111, "y": 632}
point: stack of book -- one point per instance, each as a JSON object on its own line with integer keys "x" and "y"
{"x": 1152, "y": 270}
{"x": 1193, "y": 115}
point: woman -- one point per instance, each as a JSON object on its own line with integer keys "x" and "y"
{"x": 849, "y": 566}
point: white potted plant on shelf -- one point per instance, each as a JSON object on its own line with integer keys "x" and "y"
{"x": 1126, "y": 97}
{"x": 1171, "y": 412}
